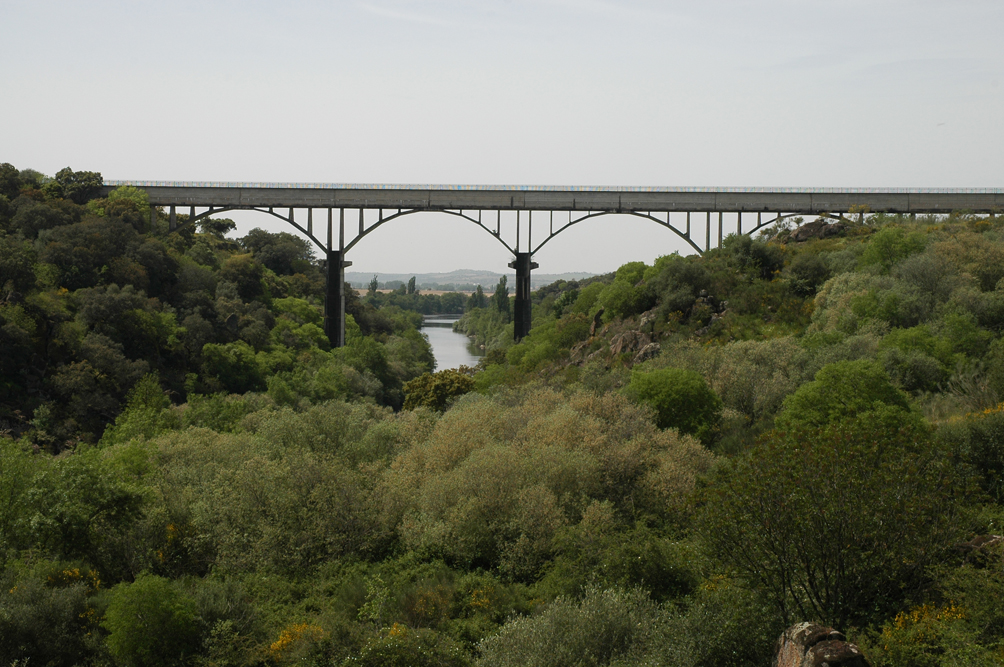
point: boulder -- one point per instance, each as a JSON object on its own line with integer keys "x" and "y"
{"x": 649, "y": 351}
{"x": 814, "y": 645}
{"x": 817, "y": 229}
{"x": 647, "y": 318}
{"x": 628, "y": 341}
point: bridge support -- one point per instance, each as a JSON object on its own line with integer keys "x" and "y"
{"x": 334, "y": 298}
{"x": 523, "y": 308}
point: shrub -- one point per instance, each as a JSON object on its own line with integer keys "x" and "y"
{"x": 151, "y": 623}
{"x": 401, "y": 646}
{"x": 681, "y": 400}
{"x": 497, "y": 478}
{"x": 841, "y": 390}
{"x": 605, "y": 626}
{"x": 889, "y": 245}
{"x": 978, "y": 439}
{"x": 45, "y": 615}
{"x": 435, "y": 390}
{"x": 837, "y": 523}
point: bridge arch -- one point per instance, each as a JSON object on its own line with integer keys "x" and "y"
{"x": 335, "y": 244}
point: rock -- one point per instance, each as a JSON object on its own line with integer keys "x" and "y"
{"x": 647, "y": 318}
{"x": 597, "y": 320}
{"x": 813, "y": 645}
{"x": 817, "y": 229}
{"x": 647, "y": 352}
{"x": 575, "y": 355}
{"x": 980, "y": 542}
{"x": 628, "y": 341}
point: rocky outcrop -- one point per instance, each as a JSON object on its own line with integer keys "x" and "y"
{"x": 628, "y": 341}
{"x": 818, "y": 229}
{"x": 813, "y": 645}
{"x": 648, "y": 319}
{"x": 648, "y": 352}
{"x": 597, "y": 321}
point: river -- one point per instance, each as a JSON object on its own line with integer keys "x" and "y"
{"x": 451, "y": 349}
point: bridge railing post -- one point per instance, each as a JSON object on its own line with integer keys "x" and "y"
{"x": 334, "y": 298}
{"x": 523, "y": 309}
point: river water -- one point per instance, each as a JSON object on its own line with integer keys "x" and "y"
{"x": 451, "y": 349}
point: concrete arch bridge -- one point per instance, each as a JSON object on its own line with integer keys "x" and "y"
{"x": 335, "y": 217}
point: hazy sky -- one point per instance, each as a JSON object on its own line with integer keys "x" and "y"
{"x": 557, "y": 92}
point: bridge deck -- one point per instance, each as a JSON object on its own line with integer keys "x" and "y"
{"x": 807, "y": 201}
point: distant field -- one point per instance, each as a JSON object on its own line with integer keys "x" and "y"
{"x": 438, "y": 292}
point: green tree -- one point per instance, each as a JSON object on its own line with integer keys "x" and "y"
{"x": 10, "y": 181}
{"x": 218, "y": 227}
{"x": 373, "y": 287}
{"x": 151, "y": 624}
{"x": 477, "y": 299}
{"x": 234, "y": 366}
{"x": 606, "y": 627}
{"x": 434, "y": 390}
{"x": 681, "y": 400}
{"x": 501, "y": 299}
{"x": 77, "y": 186}
{"x": 283, "y": 253}
{"x": 841, "y": 390}
{"x": 411, "y": 286}
{"x": 891, "y": 244}
{"x": 246, "y": 273}
{"x": 838, "y": 523}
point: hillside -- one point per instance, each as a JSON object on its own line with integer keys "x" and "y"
{"x": 680, "y": 460}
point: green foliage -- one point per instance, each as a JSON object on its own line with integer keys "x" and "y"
{"x": 842, "y": 390}
{"x": 890, "y": 245}
{"x": 78, "y": 186}
{"x": 761, "y": 259}
{"x": 477, "y": 299}
{"x": 680, "y": 398}
{"x": 144, "y": 413}
{"x": 282, "y": 253}
{"x": 599, "y": 550}
{"x": 842, "y": 530}
{"x": 500, "y": 299}
{"x": 151, "y": 623}
{"x": 129, "y": 196}
{"x": 808, "y": 272}
{"x": 218, "y": 227}
{"x": 234, "y": 366}
{"x": 436, "y": 390}
{"x": 47, "y": 615}
{"x": 496, "y": 480}
{"x": 606, "y": 627}
{"x": 587, "y": 298}
{"x": 978, "y": 439}
{"x": 400, "y": 646}
{"x": 631, "y": 273}
{"x": 621, "y": 299}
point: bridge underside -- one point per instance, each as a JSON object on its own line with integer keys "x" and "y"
{"x": 347, "y": 214}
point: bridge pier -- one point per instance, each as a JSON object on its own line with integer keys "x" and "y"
{"x": 334, "y": 297}
{"x": 523, "y": 310}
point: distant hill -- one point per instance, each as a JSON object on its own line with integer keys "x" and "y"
{"x": 461, "y": 279}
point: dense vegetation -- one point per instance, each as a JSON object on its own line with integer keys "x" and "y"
{"x": 680, "y": 460}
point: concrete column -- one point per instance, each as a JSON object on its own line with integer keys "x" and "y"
{"x": 173, "y": 218}
{"x": 523, "y": 310}
{"x": 334, "y": 298}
